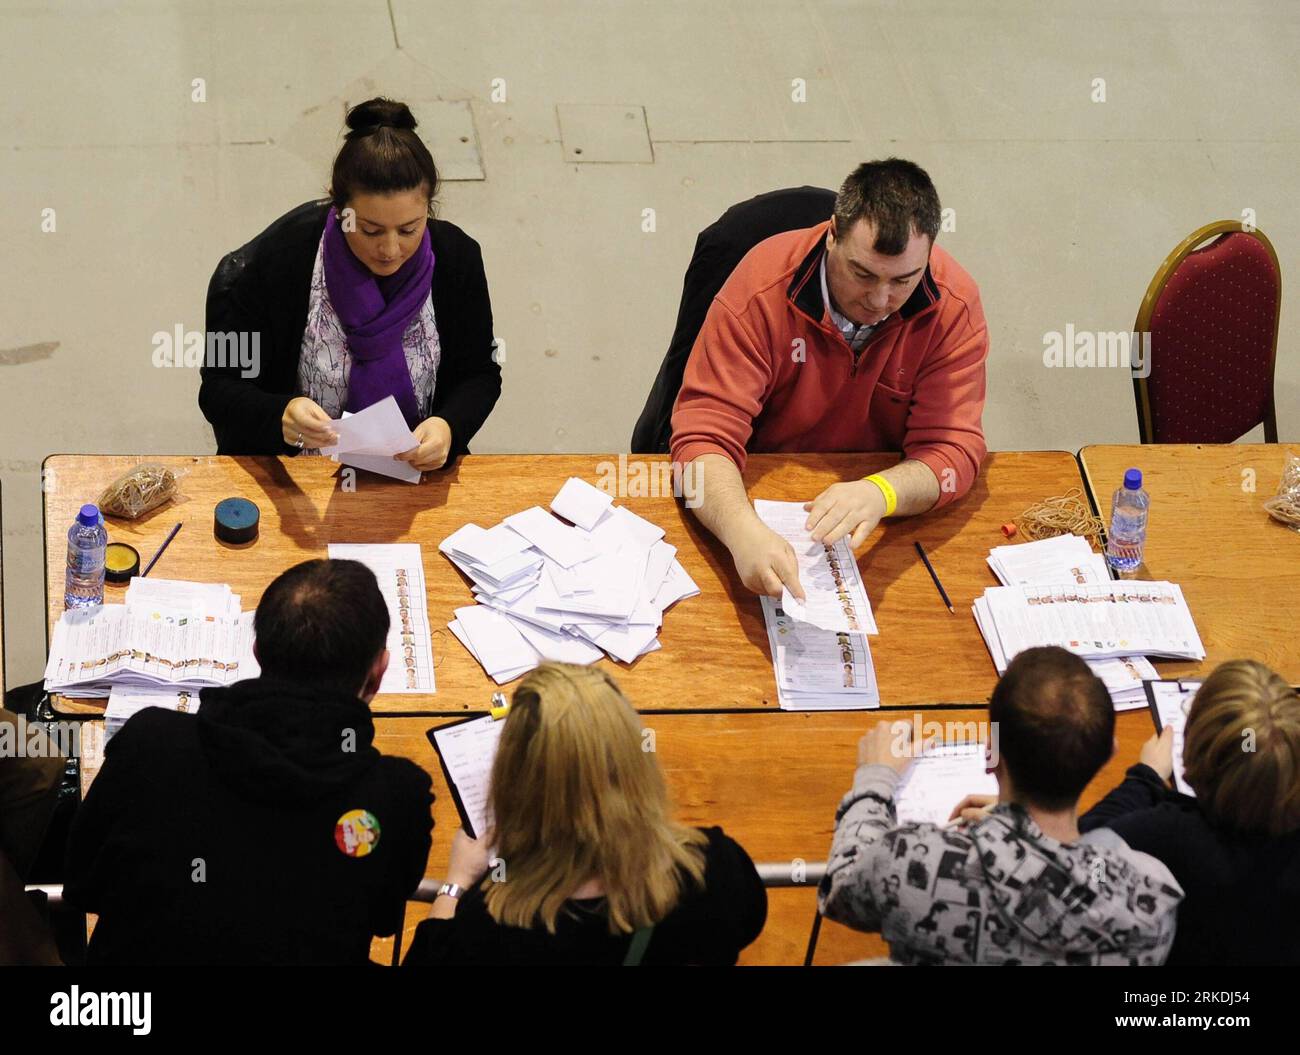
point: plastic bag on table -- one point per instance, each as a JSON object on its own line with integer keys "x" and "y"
{"x": 1285, "y": 505}
{"x": 140, "y": 490}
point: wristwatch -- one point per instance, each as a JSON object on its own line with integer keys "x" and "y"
{"x": 451, "y": 890}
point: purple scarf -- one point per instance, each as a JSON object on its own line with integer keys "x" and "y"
{"x": 375, "y": 311}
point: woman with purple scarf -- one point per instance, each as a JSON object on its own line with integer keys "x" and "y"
{"x": 346, "y": 302}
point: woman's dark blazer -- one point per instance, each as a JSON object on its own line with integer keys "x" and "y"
{"x": 262, "y": 288}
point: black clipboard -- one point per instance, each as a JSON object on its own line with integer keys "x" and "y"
{"x": 1151, "y": 696}
{"x": 446, "y": 773}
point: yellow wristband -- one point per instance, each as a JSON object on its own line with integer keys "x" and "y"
{"x": 886, "y": 489}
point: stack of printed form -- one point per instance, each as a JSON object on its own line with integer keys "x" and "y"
{"x": 819, "y": 645}
{"x": 182, "y": 635}
{"x": 1059, "y": 592}
{"x": 572, "y": 592}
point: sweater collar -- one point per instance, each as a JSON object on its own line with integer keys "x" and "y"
{"x": 805, "y": 289}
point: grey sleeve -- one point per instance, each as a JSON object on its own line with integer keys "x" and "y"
{"x": 848, "y": 893}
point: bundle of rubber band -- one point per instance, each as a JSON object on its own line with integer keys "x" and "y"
{"x": 1067, "y": 514}
{"x": 1285, "y": 505}
{"x": 136, "y": 492}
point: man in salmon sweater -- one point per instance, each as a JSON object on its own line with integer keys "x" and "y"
{"x": 859, "y": 334}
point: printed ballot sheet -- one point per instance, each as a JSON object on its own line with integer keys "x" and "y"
{"x": 467, "y": 750}
{"x": 937, "y": 781}
{"x": 818, "y": 670}
{"x": 1169, "y": 702}
{"x": 399, "y": 567}
{"x": 835, "y": 596}
{"x": 1093, "y": 621}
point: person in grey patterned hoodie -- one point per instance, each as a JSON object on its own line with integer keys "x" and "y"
{"x": 1015, "y": 883}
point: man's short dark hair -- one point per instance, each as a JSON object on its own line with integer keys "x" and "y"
{"x": 896, "y": 196}
{"x": 1055, "y": 723}
{"x": 322, "y": 623}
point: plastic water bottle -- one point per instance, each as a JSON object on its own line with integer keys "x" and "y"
{"x": 1128, "y": 523}
{"x": 84, "y": 585}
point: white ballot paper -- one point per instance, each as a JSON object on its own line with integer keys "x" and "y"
{"x": 369, "y": 438}
{"x": 832, "y": 585}
{"x": 1069, "y": 559}
{"x": 467, "y": 750}
{"x": 938, "y": 780}
{"x": 818, "y": 670}
{"x": 575, "y": 592}
{"x": 1169, "y": 701}
{"x": 399, "y": 568}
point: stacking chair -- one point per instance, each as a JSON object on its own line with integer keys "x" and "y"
{"x": 1212, "y": 314}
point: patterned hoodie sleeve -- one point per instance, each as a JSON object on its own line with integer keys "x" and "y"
{"x": 850, "y": 890}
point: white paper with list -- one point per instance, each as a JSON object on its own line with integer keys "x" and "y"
{"x": 835, "y": 596}
{"x": 467, "y": 750}
{"x": 937, "y": 781}
{"x": 399, "y": 568}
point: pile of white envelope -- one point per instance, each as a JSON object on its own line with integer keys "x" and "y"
{"x": 574, "y": 592}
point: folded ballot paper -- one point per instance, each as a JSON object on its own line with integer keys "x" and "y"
{"x": 573, "y": 592}
{"x": 369, "y": 438}
{"x": 1070, "y": 559}
{"x": 819, "y": 645}
{"x": 168, "y": 633}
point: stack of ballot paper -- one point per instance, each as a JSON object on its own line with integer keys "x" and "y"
{"x": 183, "y": 635}
{"x": 819, "y": 645}
{"x": 124, "y": 702}
{"x": 369, "y": 438}
{"x": 1071, "y": 559}
{"x": 572, "y": 592}
{"x": 1101, "y": 621}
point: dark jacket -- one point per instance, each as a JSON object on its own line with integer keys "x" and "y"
{"x": 709, "y": 926}
{"x": 263, "y": 288}
{"x": 211, "y": 838}
{"x": 1242, "y": 903}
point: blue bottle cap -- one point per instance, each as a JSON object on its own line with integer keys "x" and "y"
{"x": 89, "y": 515}
{"x": 1133, "y": 479}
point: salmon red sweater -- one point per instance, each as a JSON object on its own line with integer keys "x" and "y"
{"x": 916, "y": 386}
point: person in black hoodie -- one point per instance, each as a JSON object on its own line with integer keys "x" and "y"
{"x": 1235, "y": 847}
{"x": 266, "y": 828}
{"x": 586, "y": 865}
{"x": 339, "y": 304}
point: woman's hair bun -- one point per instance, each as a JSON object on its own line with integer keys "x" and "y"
{"x": 380, "y": 113}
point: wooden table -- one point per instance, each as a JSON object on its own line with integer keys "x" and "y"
{"x": 1238, "y": 567}
{"x": 772, "y": 781}
{"x": 715, "y": 653}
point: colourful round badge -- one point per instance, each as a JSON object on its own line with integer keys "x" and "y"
{"x": 357, "y": 833}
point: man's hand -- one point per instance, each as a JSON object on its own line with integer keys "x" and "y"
{"x": 434, "y": 435}
{"x": 765, "y": 561}
{"x": 1158, "y": 753}
{"x": 886, "y": 746}
{"x": 303, "y": 420}
{"x": 973, "y": 808}
{"x": 842, "y": 508}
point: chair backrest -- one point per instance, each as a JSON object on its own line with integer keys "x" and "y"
{"x": 719, "y": 248}
{"x": 1212, "y": 314}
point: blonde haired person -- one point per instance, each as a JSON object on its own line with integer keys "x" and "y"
{"x": 587, "y": 865}
{"x": 1235, "y": 847}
